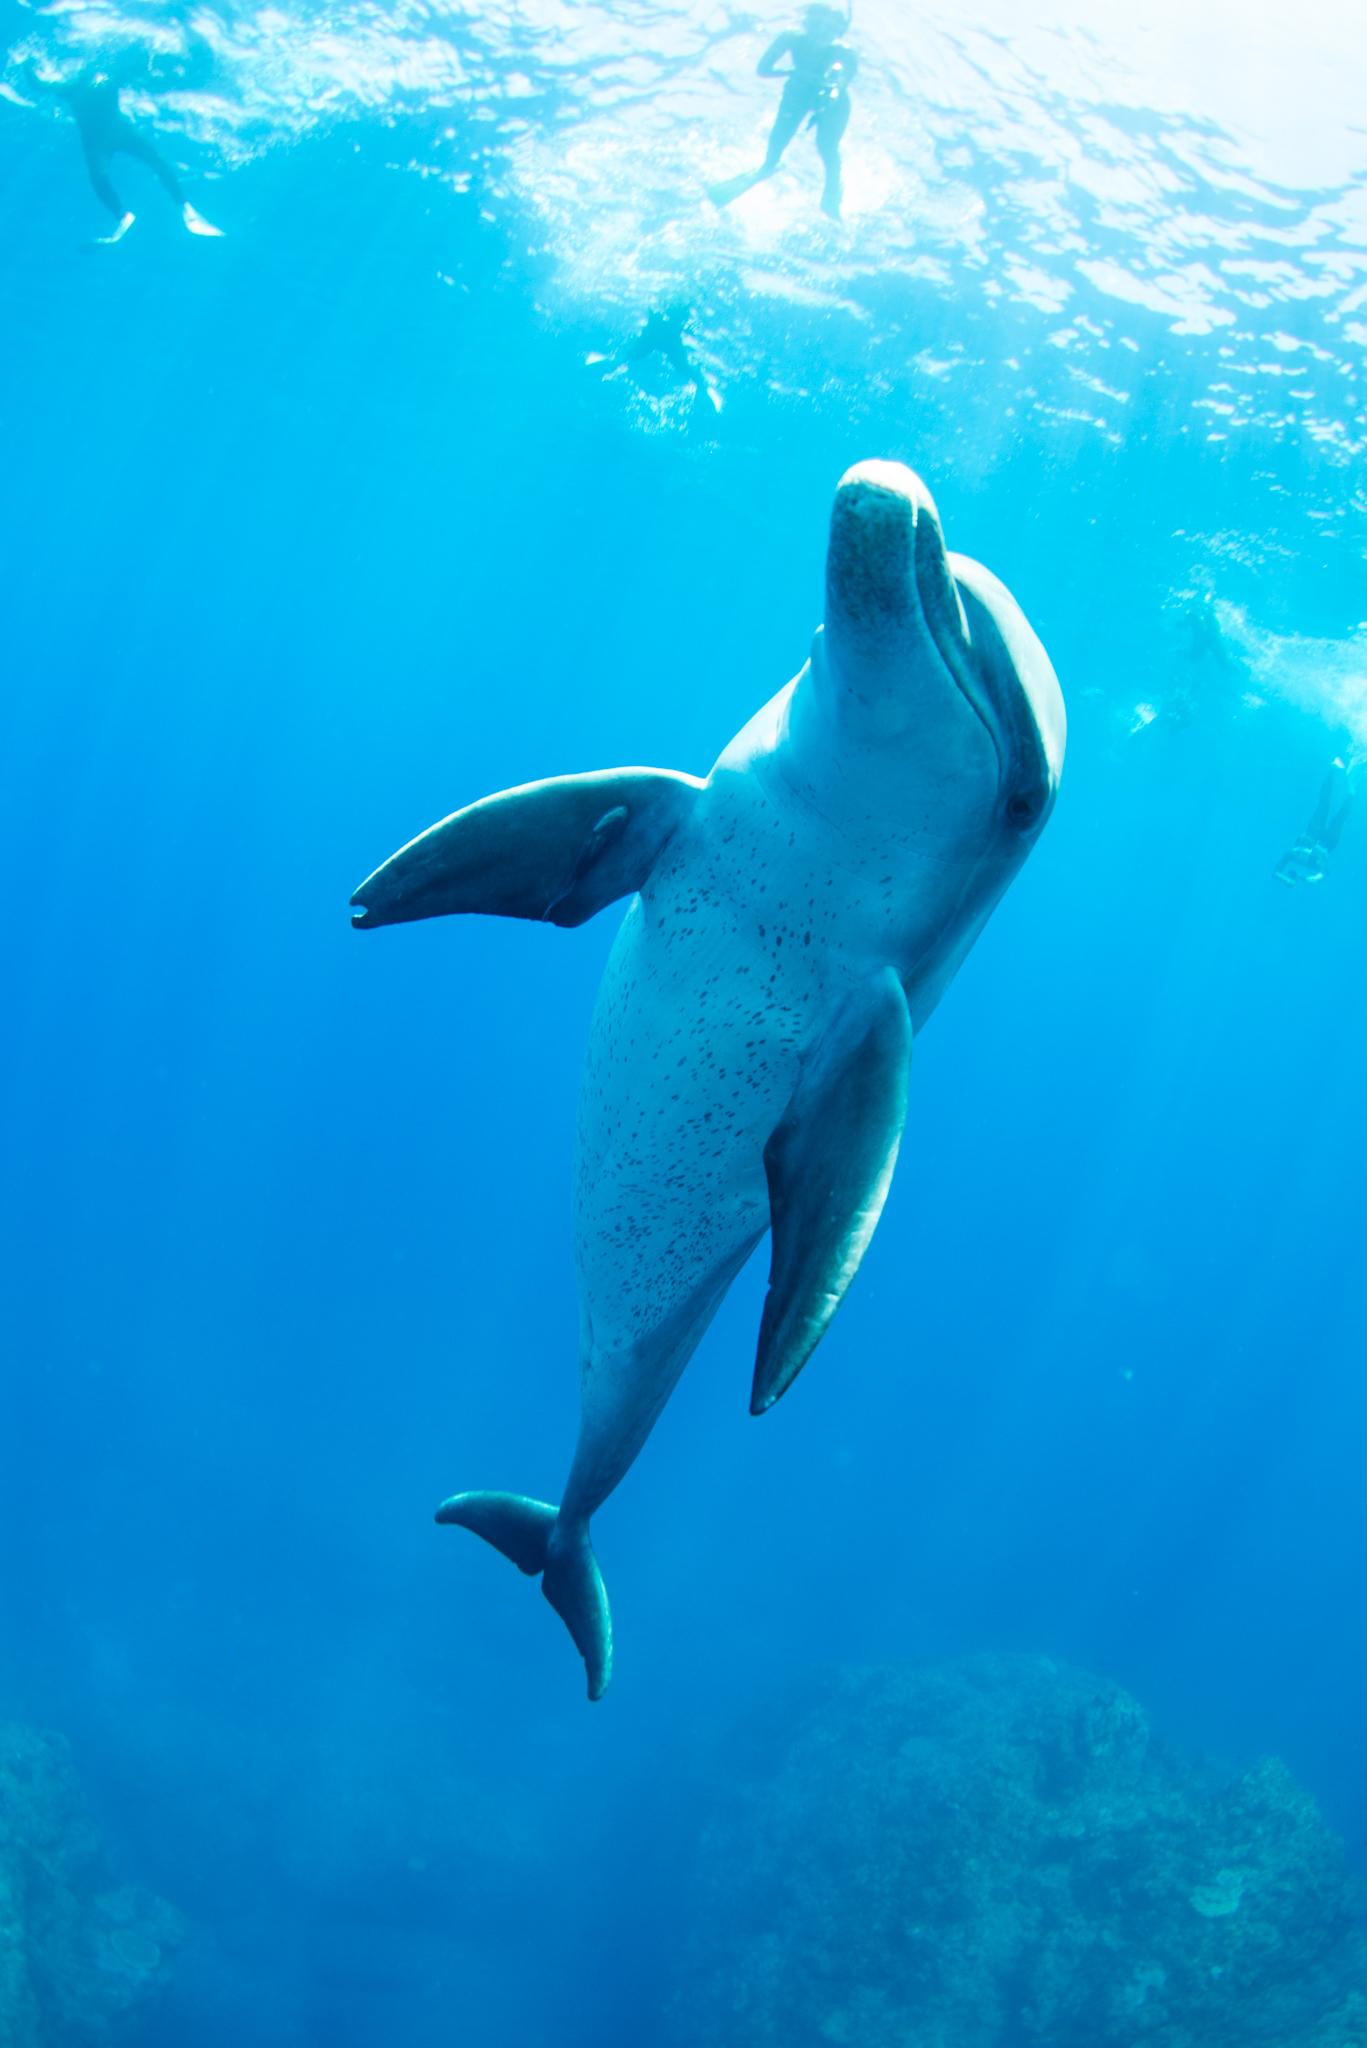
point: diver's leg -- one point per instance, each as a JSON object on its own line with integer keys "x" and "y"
{"x": 1319, "y": 817}
{"x": 1308, "y": 858}
{"x": 791, "y": 110}
{"x": 136, "y": 145}
{"x": 705, "y": 403}
{"x": 676, "y": 355}
{"x": 831, "y": 124}
{"x": 1331, "y": 812}
{"x": 146, "y": 152}
{"x": 1334, "y": 830}
{"x": 97, "y": 170}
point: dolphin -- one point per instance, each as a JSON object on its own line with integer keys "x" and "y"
{"x": 794, "y": 920}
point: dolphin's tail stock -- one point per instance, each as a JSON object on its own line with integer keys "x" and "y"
{"x": 531, "y": 1533}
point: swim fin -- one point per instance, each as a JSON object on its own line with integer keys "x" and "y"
{"x": 731, "y": 188}
{"x": 196, "y": 222}
{"x": 108, "y": 241}
{"x": 528, "y": 1532}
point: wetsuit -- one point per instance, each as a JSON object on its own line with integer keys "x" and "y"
{"x": 817, "y": 86}
{"x": 105, "y": 130}
{"x": 663, "y": 331}
{"x": 663, "y": 335}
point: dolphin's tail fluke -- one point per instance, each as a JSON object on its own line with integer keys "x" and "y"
{"x": 574, "y": 1586}
{"x": 531, "y": 1533}
{"x": 519, "y": 1527}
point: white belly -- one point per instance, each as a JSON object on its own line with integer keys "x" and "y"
{"x": 720, "y": 976}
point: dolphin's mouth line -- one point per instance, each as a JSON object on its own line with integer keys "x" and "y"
{"x": 956, "y": 653}
{"x": 955, "y": 660}
{"x": 1025, "y": 782}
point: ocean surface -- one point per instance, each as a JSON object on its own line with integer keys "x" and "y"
{"x": 315, "y": 531}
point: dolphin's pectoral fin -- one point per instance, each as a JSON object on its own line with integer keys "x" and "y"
{"x": 830, "y": 1166}
{"x": 531, "y": 1534}
{"x": 557, "y": 852}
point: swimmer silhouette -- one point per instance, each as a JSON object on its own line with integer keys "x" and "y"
{"x": 1207, "y": 642}
{"x": 104, "y": 129}
{"x": 816, "y": 87}
{"x": 1308, "y": 859}
{"x": 663, "y": 335}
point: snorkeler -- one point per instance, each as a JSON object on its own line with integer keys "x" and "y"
{"x": 1308, "y": 859}
{"x": 815, "y": 88}
{"x": 104, "y": 129}
{"x": 663, "y": 335}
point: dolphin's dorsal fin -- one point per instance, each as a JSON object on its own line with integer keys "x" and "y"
{"x": 830, "y": 1164}
{"x": 553, "y": 851}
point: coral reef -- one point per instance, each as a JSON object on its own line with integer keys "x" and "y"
{"x": 82, "y": 1958}
{"x": 1001, "y": 1854}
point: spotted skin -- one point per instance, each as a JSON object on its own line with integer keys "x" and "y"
{"x": 849, "y": 844}
{"x": 831, "y": 840}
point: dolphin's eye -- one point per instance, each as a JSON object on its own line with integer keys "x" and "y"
{"x": 1021, "y": 809}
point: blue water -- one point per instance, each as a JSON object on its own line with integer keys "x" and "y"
{"x": 314, "y": 533}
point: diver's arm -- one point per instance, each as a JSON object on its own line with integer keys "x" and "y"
{"x": 51, "y": 86}
{"x": 170, "y": 72}
{"x": 780, "y": 47}
{"x": 185, "y": 73}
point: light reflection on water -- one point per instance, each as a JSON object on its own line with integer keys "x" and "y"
{"x": 1200, "y": 165}
{"x": 1087, "y": 226}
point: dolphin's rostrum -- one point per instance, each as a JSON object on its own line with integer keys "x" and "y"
{"x": 795, "y": 919}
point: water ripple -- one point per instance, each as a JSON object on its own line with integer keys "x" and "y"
{"x": 1077, "y": 189}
